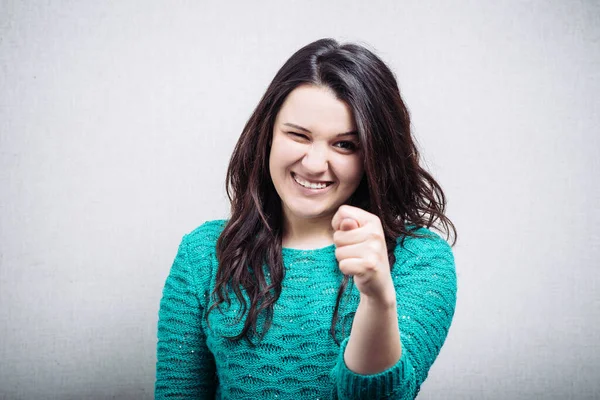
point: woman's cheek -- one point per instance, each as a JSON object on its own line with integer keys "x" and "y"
{"x": 350, "y": 168}
{"x": 295, "y": 150}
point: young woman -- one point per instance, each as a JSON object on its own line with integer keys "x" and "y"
{"x": 326, "y": 281}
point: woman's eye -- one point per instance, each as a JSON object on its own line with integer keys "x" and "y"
{"x": 344, "y": 145}
{"x": 347, "y": 145}
{"x": 298, "y": 135}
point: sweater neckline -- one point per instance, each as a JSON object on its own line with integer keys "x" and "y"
{"x": 288, "y": 251}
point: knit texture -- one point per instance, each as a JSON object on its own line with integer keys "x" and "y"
{"x": 297, "y": 358}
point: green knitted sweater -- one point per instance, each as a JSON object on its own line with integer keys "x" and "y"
{"x": 297, "y": 358}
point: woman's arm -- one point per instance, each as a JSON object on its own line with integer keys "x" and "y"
{"x": 424, "y": 279}
{"x": 185, "y": 367}
{"x": 374, "y": 343}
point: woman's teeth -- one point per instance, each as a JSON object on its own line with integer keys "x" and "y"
{"x": 309, "y": 185}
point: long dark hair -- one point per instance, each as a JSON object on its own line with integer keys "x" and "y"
{"x": 394, "y": 186}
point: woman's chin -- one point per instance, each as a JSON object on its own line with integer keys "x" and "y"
{"x": 309, "y": 212}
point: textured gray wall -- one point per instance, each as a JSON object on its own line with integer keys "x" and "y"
{"x": 117, "y": 122}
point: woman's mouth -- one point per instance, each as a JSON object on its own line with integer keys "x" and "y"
{"x": 311, "y": 186}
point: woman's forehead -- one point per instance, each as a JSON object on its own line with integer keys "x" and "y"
{"x": 317, "y": 110}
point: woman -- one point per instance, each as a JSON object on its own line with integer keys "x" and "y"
{"x": 325, "y": 282}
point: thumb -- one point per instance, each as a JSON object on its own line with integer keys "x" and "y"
{"x": 348, "y": 224}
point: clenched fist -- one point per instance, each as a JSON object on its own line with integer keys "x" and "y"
{"x": 361, "y": 252}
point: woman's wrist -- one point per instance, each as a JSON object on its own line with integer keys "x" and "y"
{"x": 383, "y": 301}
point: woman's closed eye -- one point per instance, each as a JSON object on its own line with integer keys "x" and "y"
{"x": 346, "y": 144}
{"x": 298, "y": 135}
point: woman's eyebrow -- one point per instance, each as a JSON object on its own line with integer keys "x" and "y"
{"x": 353, "y": 133}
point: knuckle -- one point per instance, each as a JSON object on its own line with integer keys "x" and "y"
{"x": 375, "y": 235}
{"x": 371, "y": 264}
{"x": 343, "y": 266}
{"x": 336, "y": 236}
{"x": 338, "y": 253}
{"x": 375, "y": 245}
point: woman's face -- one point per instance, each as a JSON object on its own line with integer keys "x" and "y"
{"x": 316, "y": 162}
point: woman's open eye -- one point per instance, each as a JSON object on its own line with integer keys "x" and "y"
{"x": 348, "y": 145}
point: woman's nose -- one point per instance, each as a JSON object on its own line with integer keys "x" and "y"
{"x": 315, "y": 160}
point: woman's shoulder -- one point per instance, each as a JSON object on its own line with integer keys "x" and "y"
{"x": 199, "y": 250}
{"x": 428, "y": 257}
{"x": 201, "y": 242}
{"x": 204, "y": 237}
{"x": 422, "y": 241}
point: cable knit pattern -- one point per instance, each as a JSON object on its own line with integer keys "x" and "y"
{"x": 297, "y": 358}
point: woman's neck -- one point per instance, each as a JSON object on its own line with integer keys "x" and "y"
{"x": 307, "y": 234}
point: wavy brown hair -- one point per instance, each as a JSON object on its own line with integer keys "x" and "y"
{"x": 394, "y": 186}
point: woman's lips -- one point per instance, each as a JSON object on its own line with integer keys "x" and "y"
{"x": 309, "y": 180}
{"x": 311, "y": 191}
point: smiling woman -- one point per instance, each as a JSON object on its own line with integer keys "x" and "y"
{"x": 326, "y": 281}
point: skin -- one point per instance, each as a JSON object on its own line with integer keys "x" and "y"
{"x": 374, "y": 344}
{"x": 319, "y": 154}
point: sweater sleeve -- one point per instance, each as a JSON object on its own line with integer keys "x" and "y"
{"x": 185, "y": 367}
{"x": 425, "y": 281}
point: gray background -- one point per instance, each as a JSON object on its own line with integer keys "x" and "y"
{"x": 116, "y": 126}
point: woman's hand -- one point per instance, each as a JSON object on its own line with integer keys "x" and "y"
{"x": 361, "y": 252}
